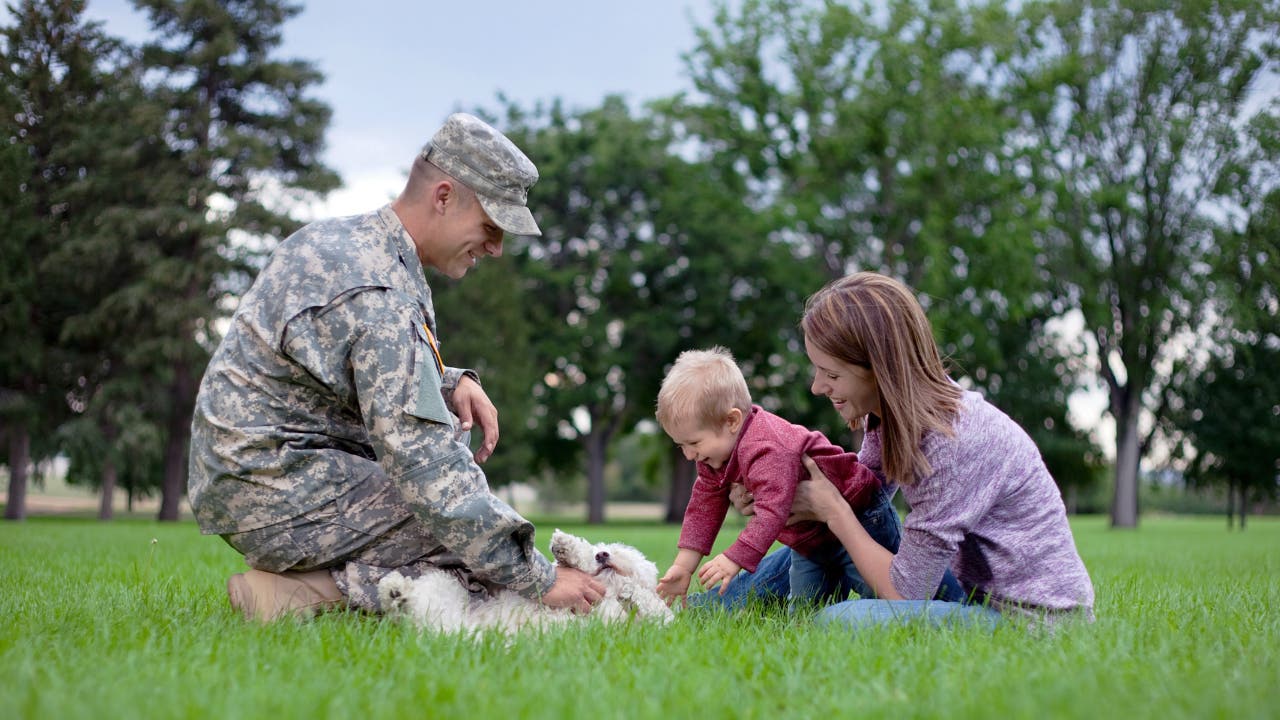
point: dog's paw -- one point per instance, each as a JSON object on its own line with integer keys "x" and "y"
{"x": 573, "y": 551}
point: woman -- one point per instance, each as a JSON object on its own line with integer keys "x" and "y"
{"x": 982, "y": 502}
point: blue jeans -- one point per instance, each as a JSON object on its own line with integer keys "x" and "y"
{"x": 832, "y": 576}
{"x": 859, "y": 614}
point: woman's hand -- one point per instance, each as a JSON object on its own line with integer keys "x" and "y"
{"x": 816, "y": 499}
{"x": 742, "y": 499}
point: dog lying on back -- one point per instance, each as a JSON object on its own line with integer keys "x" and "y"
{"x": 438, "y": 601}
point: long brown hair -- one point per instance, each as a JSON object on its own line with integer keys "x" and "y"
{"x": 873, "y": 321}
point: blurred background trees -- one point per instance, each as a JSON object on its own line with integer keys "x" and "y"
{"x": 1083, "y": 194}
{"x": 159, "y": 178}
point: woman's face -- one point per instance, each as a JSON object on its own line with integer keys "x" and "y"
{"x": 852, "y": 389}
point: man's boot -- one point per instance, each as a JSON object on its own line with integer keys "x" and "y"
{"x": 265, "y": 596}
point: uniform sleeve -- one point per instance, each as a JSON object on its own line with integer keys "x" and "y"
{"x": 399, "y": 389}
{"x": 452, "y": 376}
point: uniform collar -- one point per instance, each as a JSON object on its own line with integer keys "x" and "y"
{"x": 402, "y": 243}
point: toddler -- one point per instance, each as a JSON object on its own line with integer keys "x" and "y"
{"x": 705, "y": 407}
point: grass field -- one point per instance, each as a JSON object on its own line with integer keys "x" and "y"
{"x": 130, "y": 619}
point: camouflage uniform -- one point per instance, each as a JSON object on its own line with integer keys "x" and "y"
{"x": 323, "y": 436}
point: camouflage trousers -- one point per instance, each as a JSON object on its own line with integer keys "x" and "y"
{"x": 360, "y": 538}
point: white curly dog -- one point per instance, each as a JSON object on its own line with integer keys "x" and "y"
{"x": 438, "y": 601}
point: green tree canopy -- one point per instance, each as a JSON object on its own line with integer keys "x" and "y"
{"x": 1131, "y": 113}
{"x": 880, "y": 137}
{"x": 55, "y": 80}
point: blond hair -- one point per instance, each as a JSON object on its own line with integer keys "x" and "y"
{"x": 873, "y": 321}
{"x": 702, "y": 385}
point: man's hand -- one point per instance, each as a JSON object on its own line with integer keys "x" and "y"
{"x": 674, "y": 584}
{"x": 719, "y": 570}
{"x": 574, "y": 590}
{"x": 473, "y": 406}
{"x": 742, "y": 499}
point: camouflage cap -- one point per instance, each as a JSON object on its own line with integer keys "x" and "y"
{"x": 488, "y": 162}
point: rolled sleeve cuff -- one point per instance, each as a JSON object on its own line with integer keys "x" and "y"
{"x": 537, "y": 583}
{"x": 449, "y": 382}
{"x": 492, "y": 539}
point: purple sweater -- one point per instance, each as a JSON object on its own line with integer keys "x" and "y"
{"x": 991, "y": 512}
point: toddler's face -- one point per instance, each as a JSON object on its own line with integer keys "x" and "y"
{"x": 711, "y": 445}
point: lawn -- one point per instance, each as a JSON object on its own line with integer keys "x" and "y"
{"x": 130, "y": 619}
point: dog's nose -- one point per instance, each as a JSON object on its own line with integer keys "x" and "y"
{"x": 602, "y": 557}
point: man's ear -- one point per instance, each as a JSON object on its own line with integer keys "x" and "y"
{"x": 442, "y": 195}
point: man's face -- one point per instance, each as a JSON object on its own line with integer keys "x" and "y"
{"x": 467, "y": 235}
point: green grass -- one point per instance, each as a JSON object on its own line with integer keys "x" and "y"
{"x": 101, "y": 621}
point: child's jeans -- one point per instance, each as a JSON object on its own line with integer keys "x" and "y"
{"x": 829, "y": 578}
{"x": 829, "y": 573}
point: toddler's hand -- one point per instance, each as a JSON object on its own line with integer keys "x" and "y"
{"x": 674, "y": 584}
{"x": 720, "y": 570}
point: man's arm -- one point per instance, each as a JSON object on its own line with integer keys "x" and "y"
{"x": 396, "y": 386}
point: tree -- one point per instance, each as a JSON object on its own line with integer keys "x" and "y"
{"x": 1227, "y": 414}
{"x": 18, "y": 359}
{"x": 714, "y": 277}
{"x": 1130, "y": 113}
{"x": 248, "y": 136}
{"x": 1232, "y": 424}
{"x": 53, "y": 80}
{"x": 879, "y": 137}
{"x": 136, "y": 178}
{"x": 483, "y": 327}
{"x": 599, "y": 202}
{"x": 645, "y": 254}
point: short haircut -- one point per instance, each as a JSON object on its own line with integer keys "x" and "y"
{"x": 424, "y": 174}
{"x": 702, "y": 385}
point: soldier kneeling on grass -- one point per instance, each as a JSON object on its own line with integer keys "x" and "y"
{"x": 330, "y": 442}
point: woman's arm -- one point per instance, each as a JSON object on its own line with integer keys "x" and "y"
{"x": 818, "y": 499}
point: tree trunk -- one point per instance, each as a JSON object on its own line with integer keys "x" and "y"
{"x": 106, "y": 508}
{"x": 1231, "y": 499}
{"x": 1124, "y": 503}
{"x": 597, "y": 442}
{"x": 19, "y": 458}
{"x": 1243, "y": 503}
{"x": 683, "y": 473}
{"x": 182, "y": 397}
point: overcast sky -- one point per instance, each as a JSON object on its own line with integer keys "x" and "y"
{"x": 395, "y": 69}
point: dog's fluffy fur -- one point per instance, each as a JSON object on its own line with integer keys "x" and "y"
{"x": 438, "y": 601}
